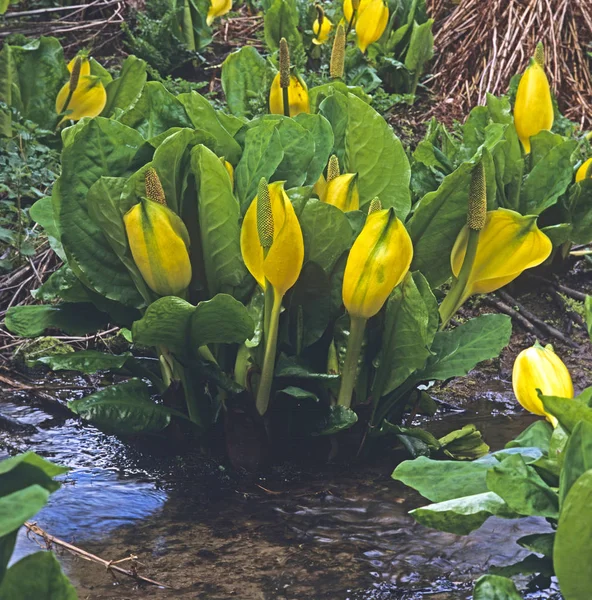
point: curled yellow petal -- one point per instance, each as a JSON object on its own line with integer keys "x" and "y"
{"x": 342, "y": 192}
{"x": 533, "y": 110}
{"x": 218, "y": 8}
{"x": 88, "y": 100}
{"x": 321, "y": 31}
{"x": 539, "y": 368}
{"x": 159, "y": 243}
{"x": 297, "y": 97}
{"x": 378, "y": 261}
{"x": 508, "y": 244}
{"x": 371, "y": 23}
{"x": 584, "y": 171}
{"x": 283, "y": 263}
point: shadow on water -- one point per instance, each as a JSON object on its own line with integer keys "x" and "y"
{"x": 330, "y": 534}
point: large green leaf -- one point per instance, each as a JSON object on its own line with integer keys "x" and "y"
{"x": 495, "y": 587}
{"x": 338, "y": 419}
{"x": 125, "y": 408}
{"x": 84, "y": 361}
{"x": 406, "y": 336}
{"x": 318, "y": 93}
{"x": 221, "y": 320}
{"x": 19, "y": 506}
{"x": 322, "y": 136}
{"x": 41, "y": 73}
{"x": 21, "y": 471}
{"x": 281, "y": 21}
{"x": 246, "y": 80}
{"x": 441, "y": 480}
{"x": 579, "y": 212}
{"x": 39, "y": 576}
{"x": 537, "y": 435}
{"x": 567, "y": 411}
{"x": 588, "y": 309}
{"x": 366, "y": 145}
{"x": 327, "y": 233}
{"x": 420, "y": 51}
{"x": 577, "y": 457}
{"x": 204, "y": 117}
{"x": 71, "y": 318}
{"x": 548, "y": 179}
{"x": 42, "y": 213}
{"x": 103, "y": 148}
{"x": 155, "y": 111}
{"x": 457, "y": 351}
{"x": 219, "y": 228}
{"x": 262, "y": 155}
{"x": 522, "y": 488}
{"x": 123, "y": 92}
{"x": 9, "y": 89}
{"x": 463, "y": 515}
{"x": 572, "y": 553}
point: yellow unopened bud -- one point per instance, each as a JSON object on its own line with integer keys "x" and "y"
{"x": 284, "y": 64}
{"x": 375, "y": 206}
{"x": 477, "y": 212}
{"x": 539, "y": 368}
{"x": 333, "y": 168}
{"x": 585, "y": 171}
{"x": 533, "y": 110}
{"x": 378, "y": 261}
{"x": 159, "y": 243}
{"x": 264, "y": 216}
{"x": 154, "y": 190}
{"x": 337, "y": 66}
{"x": 342, "y": 192}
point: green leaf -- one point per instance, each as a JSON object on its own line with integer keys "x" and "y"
{"x": 405, "y": 338}
{"x": 124, "y": 409}
{"x": 318, "y": 93}
{"x": 522, "y": 488}
{"x": 103, "y": 147}
{"x": 155, "y": 111}
{"x": 246, "y": 81}
{"x": 442, "y": 480}
{"x": 24, "y": 470}
{"x": 262, "y": 155}
{"x": 204, "y": 117}
{"x": 327, "y": 233}
{"x": 42, "y": 213}
{"x": 322, "y": 136}
{"x": 218, "y": 217}
{"x": 338, "y": 419}
{"x": 20, "y": 506}
{"x": 73, "y": 319}
{"x": 9, "y": 88}
{"x": 221, "y": 320}
{"x": 579, "y": 212}
{"x": 538, "y": 434}
{"x": 62, "y": 285}
{"x": 457, "y": 351}
{"x": 127, "y": 88}
{"x": 290, "y": 367}
{"x": 567, "y": 411}
{"x": 463, "y": 515}
{"x": 366, "y": 145}
{"x": 281, "y": 21}
{"x": 165, "y": 323}
{"x": 84, "y": 361}
{"x": 548, "y": 180}
{"x": 577, "y": 458}
{"x": 494, "y": 587}
{"x": 572, "y": 553}
{"x": 541, "y": 543}
{"x": 38, "y": 575}
{"x": 588, "y": 308}
{"x": 421, "y": 49}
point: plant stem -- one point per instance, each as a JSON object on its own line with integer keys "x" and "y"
{"x": 352, "y": 355}
{"x": 286, "y": 101}
{"x": 351, "y": 22}
{"x": 266, "y": 380}
{"x": 457, "y": 294}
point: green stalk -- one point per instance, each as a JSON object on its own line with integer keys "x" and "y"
{"x": 456, "y": 296}
{"x": 286, "y": 102}
{"x": 352, "y": 355}
{"x": 351, "y": 21}
{"x": 266, "y": 380}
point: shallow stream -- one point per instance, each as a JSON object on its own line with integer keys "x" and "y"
{"x": 332, "y": 534}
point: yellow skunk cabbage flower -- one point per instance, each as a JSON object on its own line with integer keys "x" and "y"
{"x": 83, "y": 95}
{"x": 342, "y": 192}
{"x": 371, "y": 22}
{"x": 348, "y": 9}
{"x": 321, "y": 27}
{"x": 283, "y": 263}
{"x": 218, "y": 8}
{"x": 585, "y": 171}
{"x": 297, "y": 96}
{"x": 378, "y": 261}
{"x": 539, "y": 368}
{"x": 159, "y": 242}
{"x": 508, "y": 245}
{"x": 533, "y": 110}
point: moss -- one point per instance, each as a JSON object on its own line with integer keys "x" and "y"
{"x": 41, "y": 346}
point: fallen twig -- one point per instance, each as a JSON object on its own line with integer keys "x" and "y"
{"x": 108, "y": 564}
